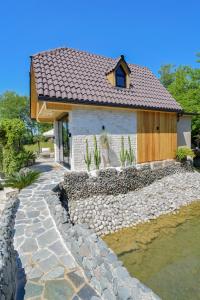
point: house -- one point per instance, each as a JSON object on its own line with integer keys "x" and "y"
{"x": 84, "y": 94}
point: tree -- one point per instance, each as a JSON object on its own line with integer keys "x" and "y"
{"x": 198, "y": 55}
{"x": 183, "y": 83}
{"x": 167, "y": 74}
{"x": 14, "y": 106}
{"x": 13, "y": 153}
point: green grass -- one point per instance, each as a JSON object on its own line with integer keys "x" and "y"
{"x": 34, "y": 147}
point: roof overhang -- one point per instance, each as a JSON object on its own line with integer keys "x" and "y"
{"x": 70, "y": 102}
{"x": 52, "y": 111}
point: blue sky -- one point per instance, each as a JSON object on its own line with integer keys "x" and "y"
{"x": 147, "y": 32}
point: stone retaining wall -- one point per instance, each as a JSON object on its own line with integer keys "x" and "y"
{"x": 105, "y": 202}
{"x": 8, "y": 267}
{"x": 80, "y": 185}
{"x": 101, "y": 266}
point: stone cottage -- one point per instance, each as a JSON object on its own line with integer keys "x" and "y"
{"x": 84, "y": 94}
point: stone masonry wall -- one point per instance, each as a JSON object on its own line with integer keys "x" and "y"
{"x": 87, "y": 123}
{"x": 101, "y": 266}
{"x": 113, "y": 200}
{"x": 8, "y": 267}
{"x": 80, "y": 185}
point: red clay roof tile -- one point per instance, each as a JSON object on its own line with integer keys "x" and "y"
{"x": 69, "y": 75}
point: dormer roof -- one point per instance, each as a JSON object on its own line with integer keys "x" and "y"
{"x": 117, "y": 62}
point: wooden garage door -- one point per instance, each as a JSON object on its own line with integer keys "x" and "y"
{"x": 157, "y": 137}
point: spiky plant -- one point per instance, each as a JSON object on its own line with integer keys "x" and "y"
{"x": 130, "y": 153}
{"x": 122, "y": 153}
{"x": 21, "y": 180}
{"x": 87, "y": 157}
{"x": 97, "y": 154}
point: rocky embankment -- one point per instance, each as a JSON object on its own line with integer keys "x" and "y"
{"x": 109, "y": 213}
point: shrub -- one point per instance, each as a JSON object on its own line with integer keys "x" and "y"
{"x": 13, "y": 153}
{"x": 97, "y": 154}
{"x": 130, "y": 153}
{"x": 21, "y": 180}
{"x": 27, "y": 158}
{"x": 183, "y": 152}
{"x": 1, "y": 158}
{"x": 87, "y": 157}
{"x": 122, "y": 154}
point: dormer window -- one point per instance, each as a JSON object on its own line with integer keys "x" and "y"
{"x": 119, "y": 74}
{"x": 120, "y": 77}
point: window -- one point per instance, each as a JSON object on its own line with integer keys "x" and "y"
{"x": 120, "y": 77}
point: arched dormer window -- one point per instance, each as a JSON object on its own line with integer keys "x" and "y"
{"x": 120, "y": 77}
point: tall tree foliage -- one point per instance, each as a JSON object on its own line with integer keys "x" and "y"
{"x": 11, "y": 134}
{"x": 14, "y": 106}
{"x": 183, "y": 83}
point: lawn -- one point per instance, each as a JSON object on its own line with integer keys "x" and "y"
{"x": 34, "y": 147}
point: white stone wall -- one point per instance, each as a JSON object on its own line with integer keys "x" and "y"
{"x": 184, "y": 131}
{"x": 87, "y": 123}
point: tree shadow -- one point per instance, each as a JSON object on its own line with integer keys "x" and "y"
{"x": 43, "y": 167}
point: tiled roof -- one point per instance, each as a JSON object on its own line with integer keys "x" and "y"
{"x": 69, "y": 75}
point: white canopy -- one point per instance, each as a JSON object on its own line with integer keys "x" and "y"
{"x": 49, "y": 133}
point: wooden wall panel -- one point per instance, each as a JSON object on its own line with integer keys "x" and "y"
{"x": 34, "y": 97}
{"x": 157, "y": 137}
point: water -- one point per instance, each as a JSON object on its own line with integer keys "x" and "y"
{"x": 164, "y": 253}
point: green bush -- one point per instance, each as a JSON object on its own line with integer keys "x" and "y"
{"x": 97, "y": 154}
{"x": 13, "y": 162}
{"x": 1, "y": 158}
{"x": 13, "y": 155}
{"x": 183, "y": 152}
{"x": 130, "y": 153}
{"x": 21, "y": 180}
{"x": 123, "y": 153}
{"x": 87, "y": 157}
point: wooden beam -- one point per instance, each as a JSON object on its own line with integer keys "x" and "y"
{"x": 33, "y": 95}
{"x": 45, "y": 120}
{"x": 58, "y": 106}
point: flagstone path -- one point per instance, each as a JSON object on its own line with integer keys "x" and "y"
{"x": 46, "y": 268}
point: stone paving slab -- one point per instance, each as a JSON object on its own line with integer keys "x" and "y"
{"x": 46, "y": 268}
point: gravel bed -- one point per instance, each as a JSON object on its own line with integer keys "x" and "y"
{"x": 106, "y": 214}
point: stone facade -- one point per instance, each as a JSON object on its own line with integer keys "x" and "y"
{"x": 87, "y": 123}
{"x": 8, "y": 256}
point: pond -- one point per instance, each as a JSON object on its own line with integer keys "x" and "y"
{"x": 164, "y": 253}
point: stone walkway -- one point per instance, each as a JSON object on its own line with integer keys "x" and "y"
{"x": 45, "y": 266}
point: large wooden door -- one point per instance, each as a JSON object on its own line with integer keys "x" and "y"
{"x": 157, "y": 136}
